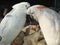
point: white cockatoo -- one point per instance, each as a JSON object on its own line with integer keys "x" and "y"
{"x": 49, "y": 22}
{"x": 12, "y": 23}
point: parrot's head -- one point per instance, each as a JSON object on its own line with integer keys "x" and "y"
{"x": 35, "y": 11}
{"x": 21, "y": 4}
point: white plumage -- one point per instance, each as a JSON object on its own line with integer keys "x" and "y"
{"x": 49, "y": 21}
{"x": 13, "y": 22}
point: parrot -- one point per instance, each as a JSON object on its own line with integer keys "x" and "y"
{"x": 12, "y": 24}
{"x": 49, "y": 22}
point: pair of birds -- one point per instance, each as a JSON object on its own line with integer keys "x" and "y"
{"x": 13, "y": 22}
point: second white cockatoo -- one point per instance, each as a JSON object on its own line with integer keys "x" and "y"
{"x": 49, "y": 21}
{"x": 13, "y": 22}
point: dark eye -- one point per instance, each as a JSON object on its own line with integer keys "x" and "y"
{"x": 26, "y": 6}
